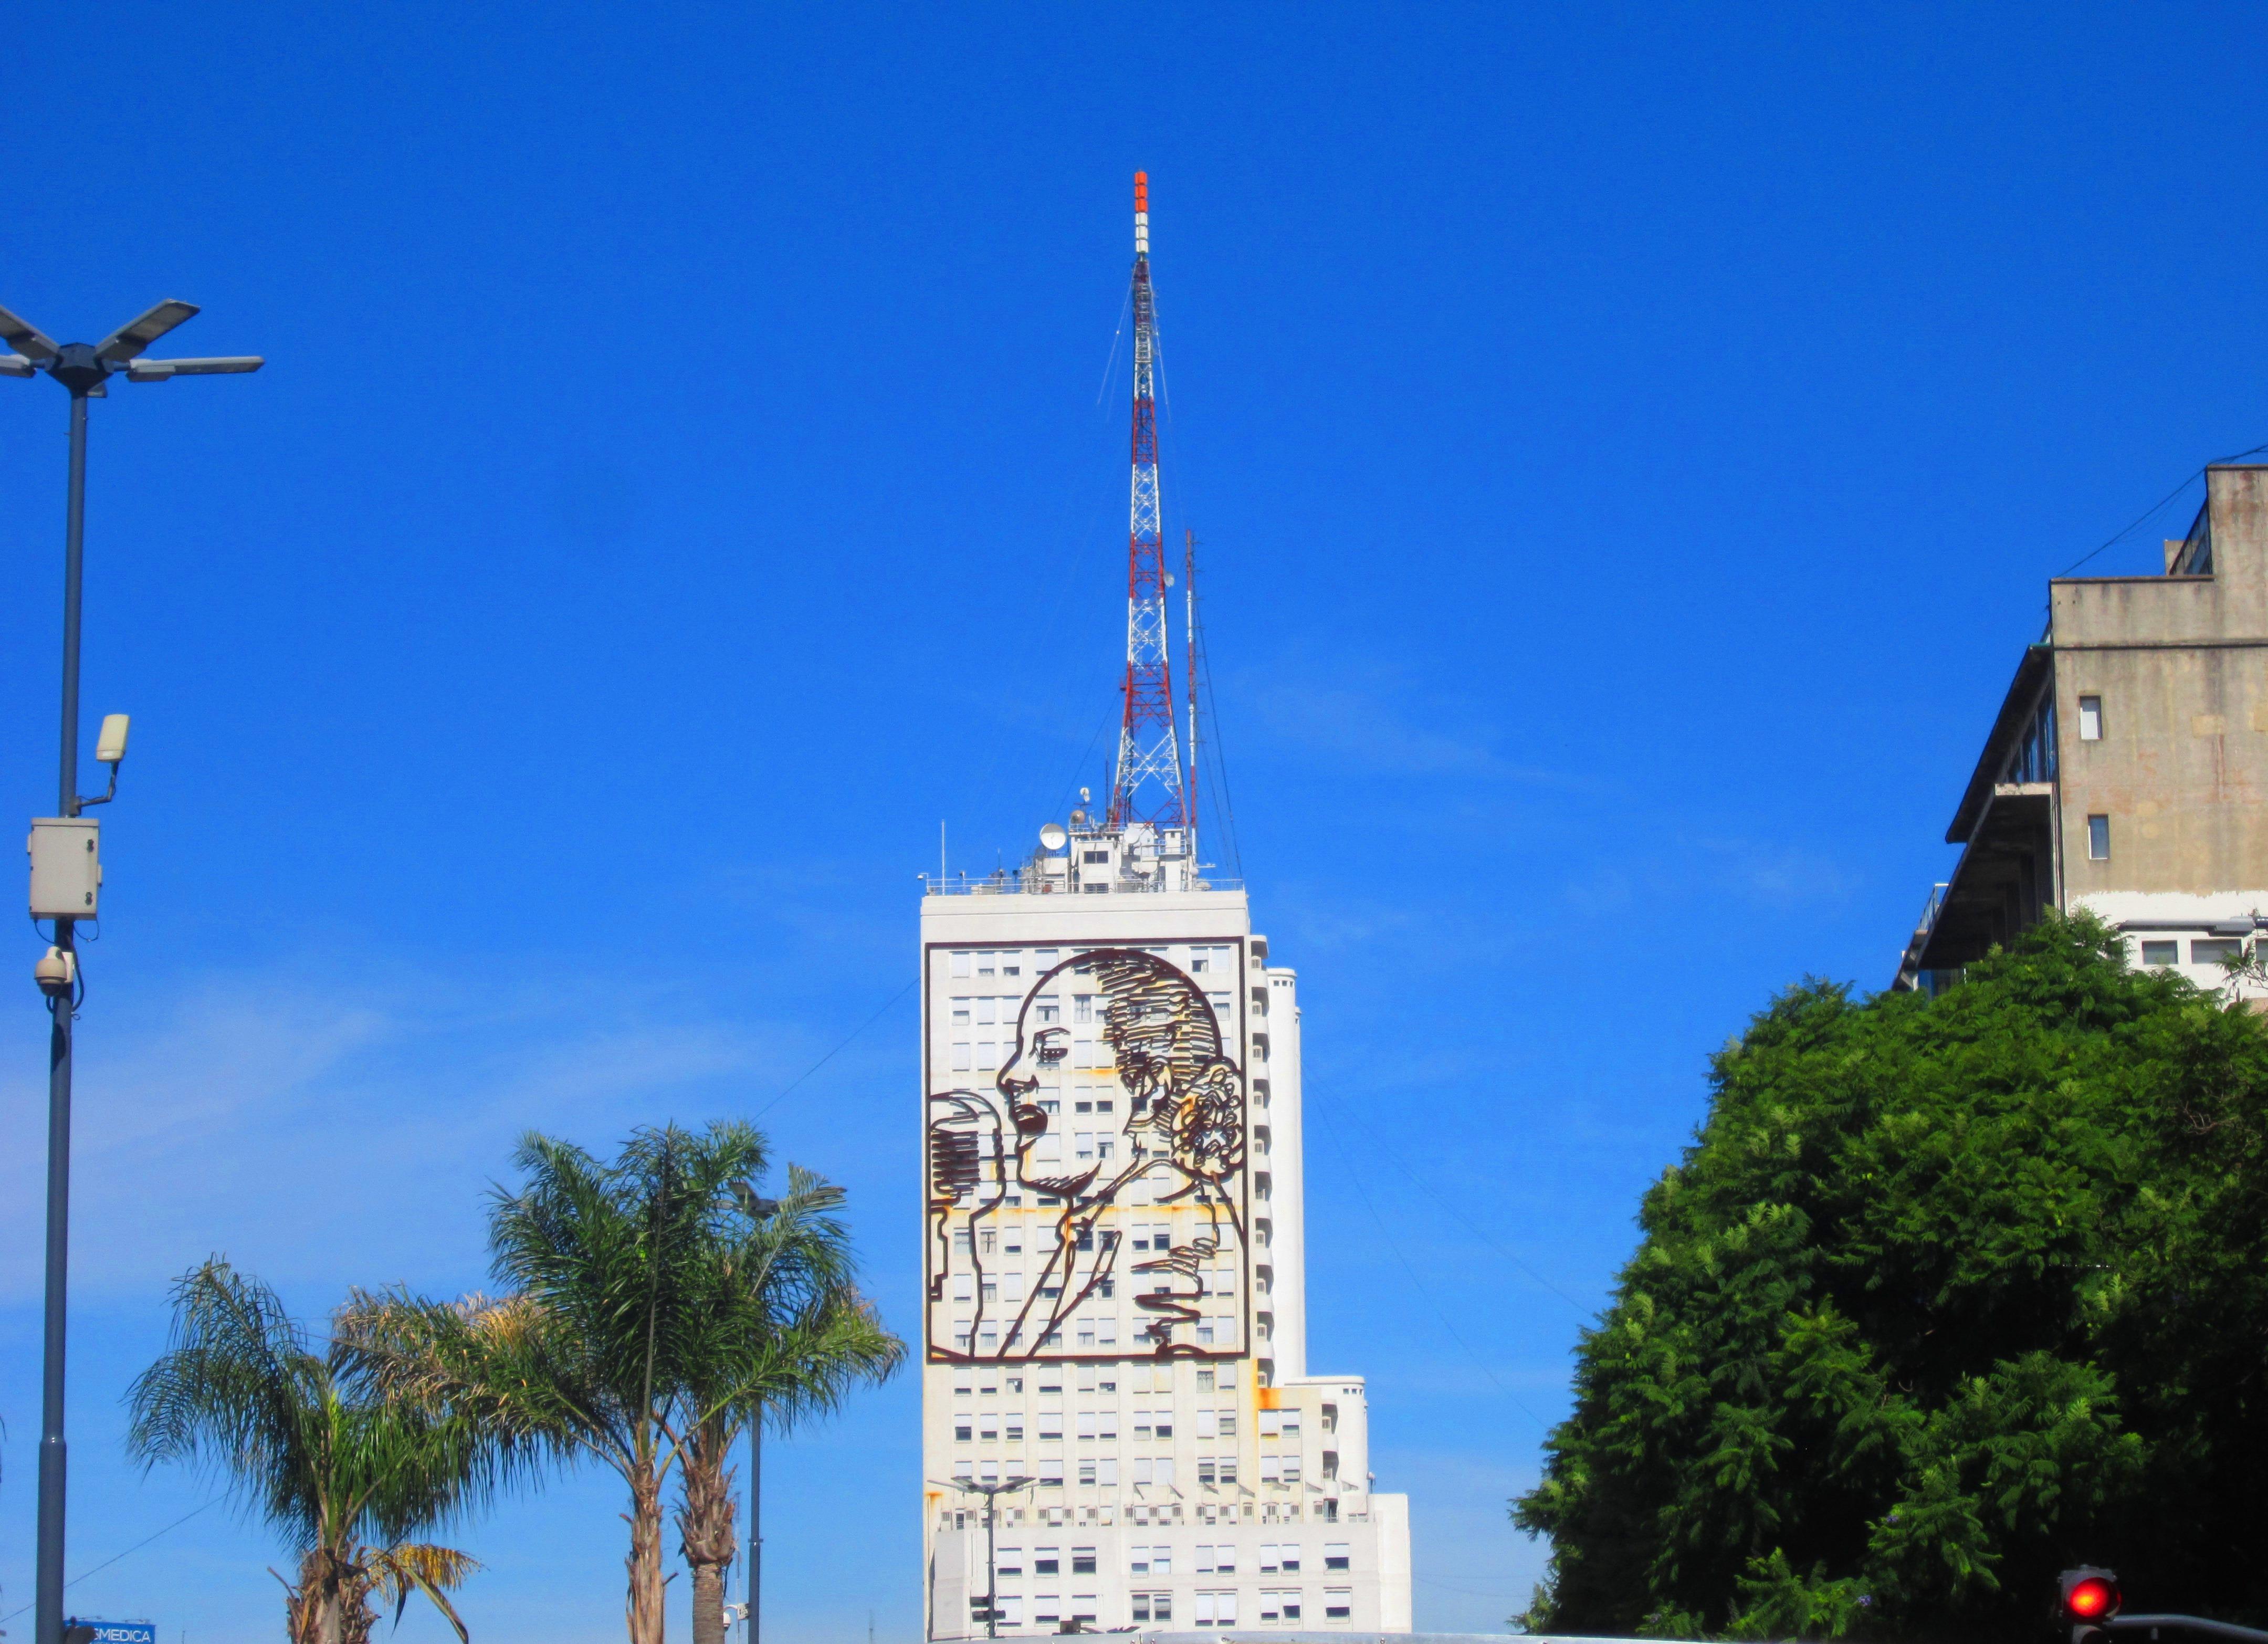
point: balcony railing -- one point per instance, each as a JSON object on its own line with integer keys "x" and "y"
{"x": 1931, "y": 907}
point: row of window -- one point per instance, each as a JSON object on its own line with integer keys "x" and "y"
{"x": 1000, "y": 1010}
{"x": 1050, "y": 1471}
{"x": 2206, "y": 950}
{"x": 1140, "y": 1378}
{"x": 1010, "y": 961}
{"x": 1218, "y": 1282}
{"x": 1103, "y": 1424}
{"x": 1212, "y": 1559}
{"x": 1211, "y": 1331}
{"x": 1279, "y": 1606}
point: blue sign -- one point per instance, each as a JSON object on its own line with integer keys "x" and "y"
{"x": 120, "y": 1632}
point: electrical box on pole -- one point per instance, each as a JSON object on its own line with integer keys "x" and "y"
{"x": 66, "y": 866}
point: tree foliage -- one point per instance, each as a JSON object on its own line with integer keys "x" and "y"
{"x": 1946, "y": 1295}
{"x": 343, "y": 1471}
{"x": 650, "y": 1304}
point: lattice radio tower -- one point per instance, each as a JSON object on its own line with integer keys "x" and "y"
{"x": 1151, "y": 784}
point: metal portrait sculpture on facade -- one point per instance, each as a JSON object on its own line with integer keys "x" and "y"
{"x": 1000, "y": 1178}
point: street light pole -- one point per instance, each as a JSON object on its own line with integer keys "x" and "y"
{"x": 756, "y": 1523}
{"x": 85, "y": 369}
{"x": 54, "y": 1453}
{"x": 757, "y": 1209}
{"x": 991, "y": 1493}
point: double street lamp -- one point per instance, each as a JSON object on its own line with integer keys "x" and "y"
{"x": 993, "y": 1490}
{"x": 66, "y": 873}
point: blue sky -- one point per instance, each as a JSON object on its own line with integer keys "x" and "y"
{"x": 1629, "y": 445}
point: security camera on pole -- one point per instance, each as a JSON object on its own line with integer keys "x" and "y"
{"x": 67, "y": 863}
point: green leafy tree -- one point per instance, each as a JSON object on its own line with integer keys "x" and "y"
{"x": 646, "y": 1307}
{"x": 1947, "y": 1295}
{"x": 343, "y": 1471}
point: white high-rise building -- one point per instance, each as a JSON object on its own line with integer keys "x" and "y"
{"x": 1115, "y": 1353}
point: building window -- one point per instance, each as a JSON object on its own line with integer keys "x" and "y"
{"x": 1334, "y": 1555}
{"x": 1047, "y": 1560}
{"x": 961, "y": 962}
{"x": 2214, "y": 950}
{"x": 1009, "y": 1561}
{"x": 1082, "y": 1560}
{"x": 1082, "y": 1007}
{"x": 2098, "y": 839}
{"x": 1338, "y": 1604}
{"x": 1216, "y": 1609}
{"x": 1153, "y": 1606}
{"x": 2162, "y": 953}
{"x": 2090, "y": 718}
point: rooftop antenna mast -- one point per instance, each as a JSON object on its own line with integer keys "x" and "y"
{"x": 1151, "y": 782}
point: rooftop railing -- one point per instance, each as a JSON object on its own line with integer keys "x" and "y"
{"x": 1010, "y": 882}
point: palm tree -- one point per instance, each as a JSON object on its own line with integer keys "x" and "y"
{"x": 627, "y": 1336}
{"x": 783, "y": 1334}
{"x": 343, "y": 1470}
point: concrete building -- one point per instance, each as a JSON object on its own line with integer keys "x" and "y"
{"x": 1115, "y": 1353}
{"x": 2126, "y": 770}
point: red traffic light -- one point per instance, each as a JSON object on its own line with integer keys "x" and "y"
{"x": 2091, "y": 1594}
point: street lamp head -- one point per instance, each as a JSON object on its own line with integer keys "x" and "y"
{"x": 166, "y": 370}
{"x": 26, "y": 339}
{"x": 81, "y": 368}
{"x": 86, "y": 368}
{"x": 110, "y": 747}
{"x": 137, "y": 335}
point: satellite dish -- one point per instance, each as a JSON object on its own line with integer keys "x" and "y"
{"x": 1053, "y": 837}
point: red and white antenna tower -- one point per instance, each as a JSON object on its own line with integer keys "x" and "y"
{"x": 1151, "y": 784}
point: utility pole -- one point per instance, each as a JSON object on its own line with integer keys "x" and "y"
{"x": 66, "y": 872}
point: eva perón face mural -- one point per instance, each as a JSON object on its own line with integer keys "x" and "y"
{"x": 1086, "y": 1200}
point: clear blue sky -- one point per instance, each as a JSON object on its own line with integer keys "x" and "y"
{"x": 1629, "y": 444}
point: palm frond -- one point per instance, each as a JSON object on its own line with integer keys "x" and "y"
{"x": 408, "y": 1567}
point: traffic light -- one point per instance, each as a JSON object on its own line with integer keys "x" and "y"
{"x": 2090, "y": 1599}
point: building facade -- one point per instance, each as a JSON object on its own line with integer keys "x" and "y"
{"x": 2126, "y": 770}
{"x": 1114, "y": 1332}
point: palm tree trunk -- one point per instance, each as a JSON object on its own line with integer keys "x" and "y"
{"x": 316, "y": 1609}
{"x": 644, "y": 1613}
{"x": 706, "y": 1527}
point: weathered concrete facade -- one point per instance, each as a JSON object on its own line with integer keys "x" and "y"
{"x": 2125, "y": 771}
